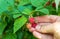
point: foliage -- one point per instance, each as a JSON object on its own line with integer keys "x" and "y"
{"x": 14, "y": 15}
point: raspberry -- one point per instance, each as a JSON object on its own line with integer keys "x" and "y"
{"x": 28, "y": 25}
{"x": 48, "y": 3}
{"x": 53, "y": 4}
{"x": 34, "y": 25}
{"x": 31, "y": 20}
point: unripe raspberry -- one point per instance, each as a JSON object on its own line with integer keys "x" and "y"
{"x": 28, "y": 25}
{"x": 48, "y": 3}
{"x": 31, "y": 20}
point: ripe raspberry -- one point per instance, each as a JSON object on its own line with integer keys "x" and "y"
{"x": 34, "y": 25}
{"x": 31, "y": 20}
{"x": 53, "y": 4}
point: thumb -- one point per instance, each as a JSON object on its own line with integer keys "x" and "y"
{"x": 45, "y": 29}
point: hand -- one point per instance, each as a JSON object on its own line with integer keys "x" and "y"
{"x": 38, "y": 34}
{"x": 53, "y": 28}
{"x": 52, "y": 21}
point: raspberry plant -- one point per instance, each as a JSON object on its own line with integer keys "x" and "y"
{"x": 14, "y": 14}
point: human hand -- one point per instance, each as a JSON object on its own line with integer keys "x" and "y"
{"x": 53, "y": 28}
{"x": 38, "y": 34}
{"x": 52, "y": 20}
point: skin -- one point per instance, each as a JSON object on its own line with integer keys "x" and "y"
{"x": 49, "y": 27}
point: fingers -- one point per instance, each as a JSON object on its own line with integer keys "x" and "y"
{"x": 57, "y": 30}
{"x": 45, "y": 29}
{"x": 41, "y": 19}
{"x": 58, "y": 19}
{"x": 32, "y": 29}
{"x": 37, "y": 35}
{"x": 51, "y": 18}
{"x": 42, "y": 36}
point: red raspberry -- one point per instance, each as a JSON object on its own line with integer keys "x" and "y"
{"x": 31, "y": 20}
{"x": 53, "y": 4}
{"x": 34, "y": 25}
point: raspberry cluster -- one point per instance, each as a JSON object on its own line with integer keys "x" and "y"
{"x": 53, "y": 4}
{"x": 32, "y": 21}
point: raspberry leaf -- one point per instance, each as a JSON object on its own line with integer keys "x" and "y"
{"x": 19, "y": 23}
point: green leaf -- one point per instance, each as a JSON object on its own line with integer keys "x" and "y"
{"x": 38, "y": 8}
{"x": 6, "y": 17}
{"x": 44, "y": 10}
{"x": 2, "y": 27}
{"x": 23, "y": 2}
{"x": 28, "y": 35}
{"x": 5, "y": 4}
{"x": 15, "y": 11}
{"x": 20, "y": 34}
{"x": 19, "y": 23}
{"x": 38, "y": 3}
{"x": 25, "y": 10}
{"x": 17, "y": 15}
{"x": 10, "y": 2}
{"x": 57, "y": 4}
{"x": 9, "y": 35}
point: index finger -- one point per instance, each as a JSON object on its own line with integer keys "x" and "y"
{"x": 46, "y": 19}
